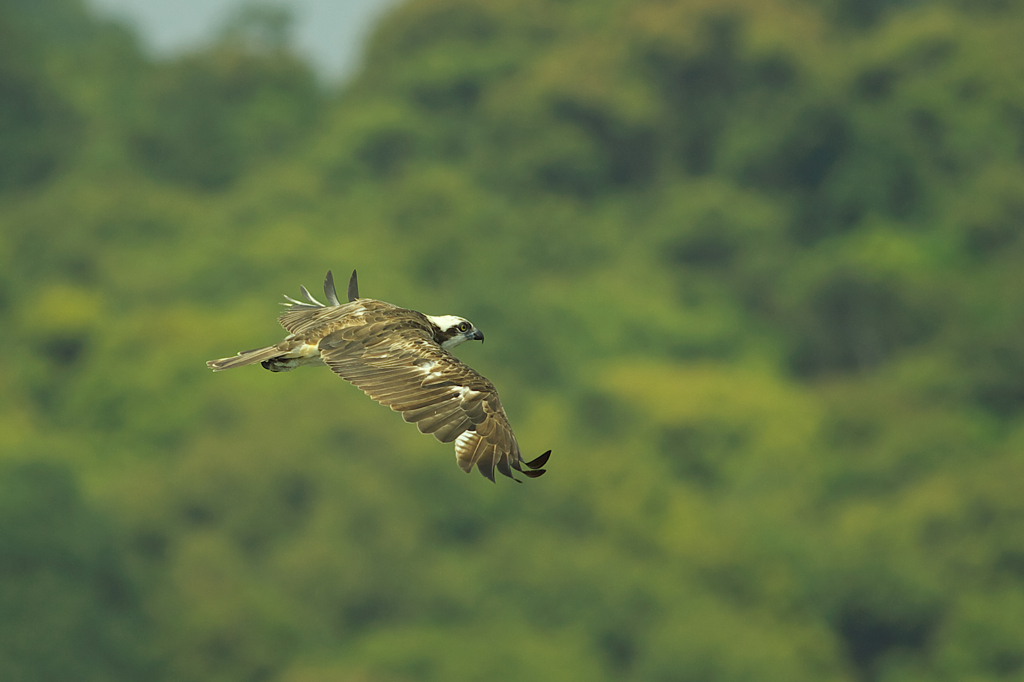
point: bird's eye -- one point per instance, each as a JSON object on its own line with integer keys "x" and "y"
{"x": 463, "y": 327}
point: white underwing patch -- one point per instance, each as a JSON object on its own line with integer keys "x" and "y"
{"x": 306, "y": 350}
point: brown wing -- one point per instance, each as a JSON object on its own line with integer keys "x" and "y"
{"x": 313, "y": 319}
{"x": 305, "y": 320}
{"x": 394, "y": 360}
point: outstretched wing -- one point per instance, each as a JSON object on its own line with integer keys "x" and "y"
{"x": 307, "y": 317}
{"x": 397, "y": 363}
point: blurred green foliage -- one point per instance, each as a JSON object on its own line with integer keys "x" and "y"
{"x": 752, "y": 269}
{"x": 70, "y": 611}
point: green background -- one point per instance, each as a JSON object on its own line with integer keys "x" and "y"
{"x": 753, "y": 269}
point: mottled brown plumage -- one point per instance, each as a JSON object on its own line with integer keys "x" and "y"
{"x": 401, "y": 359}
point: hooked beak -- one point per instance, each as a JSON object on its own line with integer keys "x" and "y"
{"x": 477, "y": 335}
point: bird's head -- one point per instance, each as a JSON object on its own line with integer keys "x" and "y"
{"x": 453, "y": 330}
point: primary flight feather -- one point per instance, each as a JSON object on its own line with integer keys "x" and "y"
{"x": 401, "y": 358}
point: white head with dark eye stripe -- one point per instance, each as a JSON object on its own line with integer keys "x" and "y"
{"x": 453, "y": 330}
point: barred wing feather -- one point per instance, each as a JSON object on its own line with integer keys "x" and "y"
{"x": 404, "y": 369}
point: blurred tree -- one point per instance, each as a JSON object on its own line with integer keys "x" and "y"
{"x": 68, "y": 609}
{"x": 52, "y": 21}
{"x": 39, "y": 129}
{"x": 751, "y": 266}
{"x": 209, "y": 116}
{"x": 259, "y": 27}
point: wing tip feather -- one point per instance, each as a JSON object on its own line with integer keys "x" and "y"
{"x": 353, "y": 287}
{"x": 486, "y": 467}
{"x": 330, "y": 293}
{"x": 538, "y": 462}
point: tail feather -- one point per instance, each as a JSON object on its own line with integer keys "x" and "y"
{"x": 246, "y": 357}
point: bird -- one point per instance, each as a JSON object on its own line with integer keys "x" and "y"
{"x": 402, "y": 359}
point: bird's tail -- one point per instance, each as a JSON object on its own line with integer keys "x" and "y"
{"x": 246, "y": 357}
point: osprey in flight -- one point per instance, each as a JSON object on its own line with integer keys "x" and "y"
{"x": 401, "y": 359}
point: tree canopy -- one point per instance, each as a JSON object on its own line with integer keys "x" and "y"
{"x": 750, "y": 268}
